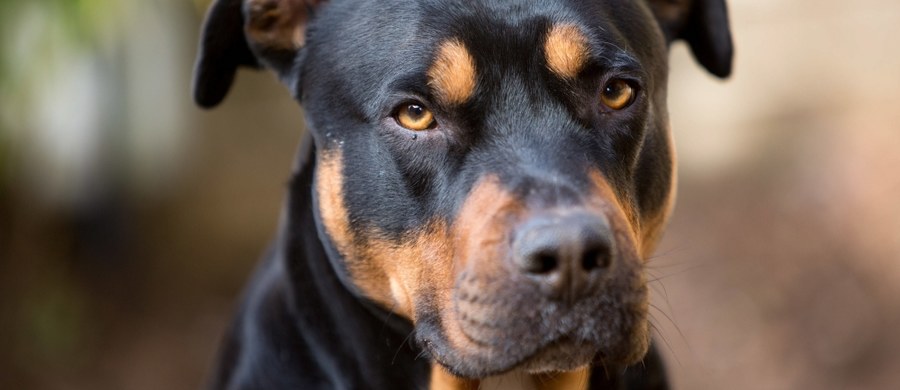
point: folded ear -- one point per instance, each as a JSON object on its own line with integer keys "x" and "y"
{"x": 703, "y": 24}
{"x": 251, "y": 33}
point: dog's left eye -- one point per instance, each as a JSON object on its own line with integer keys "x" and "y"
{"x": 617, "y": 94}
{"x": 414, "y": 116}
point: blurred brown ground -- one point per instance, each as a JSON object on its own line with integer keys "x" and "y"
{"x": 780, "y": 269}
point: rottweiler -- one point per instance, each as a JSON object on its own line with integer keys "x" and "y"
{"x": 476, "y": 194}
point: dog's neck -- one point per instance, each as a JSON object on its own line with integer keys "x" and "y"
{"x": 368, "y": 347}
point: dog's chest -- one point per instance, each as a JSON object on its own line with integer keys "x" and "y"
{"x": 518, "y": 380}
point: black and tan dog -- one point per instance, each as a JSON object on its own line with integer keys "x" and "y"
{"x": 480, "y": 185}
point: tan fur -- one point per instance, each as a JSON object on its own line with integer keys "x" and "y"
{"x": 329, "y": 189}
{"x": 477, "y": 233}
{"x": 452, "y": 74}
{"x": 627, "y": 231}
{"x": 371, "y": 279}
{"x": 277, "y": 24}
{"x": 420, "y": 260}
{"x": 572, "y": 380}
{"x": 566, "y": 50}
{"x": 443, "y": 380}
{"x": 390, "y": 272}
{"x": 620, "y": 212}
{"x": 652, "y": 226}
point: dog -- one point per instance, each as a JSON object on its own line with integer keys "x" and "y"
{"x": 479, "y": 187}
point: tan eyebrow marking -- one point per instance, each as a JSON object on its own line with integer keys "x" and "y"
{"x": 566, "y": 50}
{"x": 452, "y": 75}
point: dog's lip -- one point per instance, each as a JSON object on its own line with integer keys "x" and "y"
{"x": 454, "y": 355}
{"x": 474, "y": 358}
{"x": 500, "y": 366}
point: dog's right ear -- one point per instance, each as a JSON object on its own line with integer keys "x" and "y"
{"x": 251, "y": 33}
{"x": 704, "y": 25}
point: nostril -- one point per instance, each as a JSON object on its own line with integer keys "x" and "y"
{"x": 595, "y": 258}
{"x": 540, "y": 263}
{"x": 589, "y": 260}
{"x": 547, "y": 262}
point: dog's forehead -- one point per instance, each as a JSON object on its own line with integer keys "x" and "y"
{"x": 489, "y": 44}
{"x": 453, "y": 71}
{"x": 448, "y": 49}
{"x": 502, "y": 28}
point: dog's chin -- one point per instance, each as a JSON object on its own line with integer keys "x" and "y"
{"x": 559, "y": 356}
{"x": 562, "y": 355}
{"x": 556, "y": 357}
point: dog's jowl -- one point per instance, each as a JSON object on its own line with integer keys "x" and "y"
{"x": 479, "y": 187}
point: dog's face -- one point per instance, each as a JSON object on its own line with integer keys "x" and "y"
{"x": 495, "y": 171}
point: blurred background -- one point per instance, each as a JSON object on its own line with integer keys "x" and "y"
{"x": 130, "y": 220}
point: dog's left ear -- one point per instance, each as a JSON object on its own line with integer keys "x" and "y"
{"x": 251, "y": 33}
{"x": 703, "y": 24}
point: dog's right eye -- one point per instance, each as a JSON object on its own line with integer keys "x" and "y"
{"x": 414, "y": 116}
{"x": 617, "y": 94}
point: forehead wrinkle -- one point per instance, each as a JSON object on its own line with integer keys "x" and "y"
{"x": 452, "y": 74}
{"x": 614, "y": 56}
{"x": 517, "y": 109}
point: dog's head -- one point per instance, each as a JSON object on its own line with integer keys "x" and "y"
{"x": 495, "y": 171}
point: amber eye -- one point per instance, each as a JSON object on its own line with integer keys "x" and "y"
{"x": 415, "y": 116}
{"x": 617, "y": 94}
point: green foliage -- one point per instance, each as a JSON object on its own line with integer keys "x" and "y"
{"x": 37, "y": 35}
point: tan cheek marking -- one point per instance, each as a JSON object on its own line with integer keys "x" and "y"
{"x": 627, "y": 231}
{"x": 391, "y": 272}
{"x": 386, "y": 271}
{"x": 604, "y": 190}
{"x": 474, "y": 224}
{"x": 478, "y": 230}
{"x": 622, "y": 215}
{"x": 452, "y": 75}
{"x": 421, "y": 260}
{"x": 566, "y": 50}
{"x": 651, "y": 232}
{"x": 329, "y": 190}
{"x": 653, "y": 225}
{"x": 368, "y": 276}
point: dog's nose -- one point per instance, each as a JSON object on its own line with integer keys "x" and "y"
{"x": 564, "y": 253}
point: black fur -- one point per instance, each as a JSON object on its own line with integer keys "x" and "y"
{"x": 302, "y": 323}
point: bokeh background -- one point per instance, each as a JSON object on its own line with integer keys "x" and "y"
{"x": 130, "y": 220}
